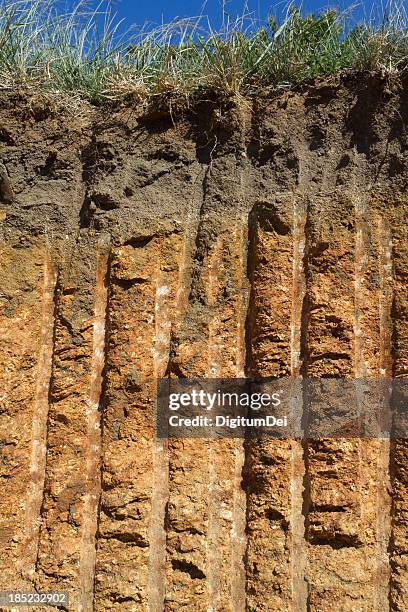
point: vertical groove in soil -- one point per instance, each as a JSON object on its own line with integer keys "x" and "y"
{"x": 214, "y": 371}
{"x": 299, "y": 557}
{"x": 238, "y": 535}
{"x": 363, "y": 366}
{"x": 160, "y": 492}
{"x": 383, "y": 525}
{"x": 93, "y": 452}
{"x": 268, "y": 461}
{"x": 40, "y": 415}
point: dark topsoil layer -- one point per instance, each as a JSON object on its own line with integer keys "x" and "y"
{"x": 128, "y": 170}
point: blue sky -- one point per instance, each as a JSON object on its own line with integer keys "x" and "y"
{"x": 139, "y": 12}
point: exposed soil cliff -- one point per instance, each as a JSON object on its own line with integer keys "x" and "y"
{"x": 262, "y": 237}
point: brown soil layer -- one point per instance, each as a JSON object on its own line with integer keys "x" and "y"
{"x": 261, "y": 237}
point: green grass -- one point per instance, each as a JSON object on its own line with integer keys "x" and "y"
{"x": 86, "y": 54}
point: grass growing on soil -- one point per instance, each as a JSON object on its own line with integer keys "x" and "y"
{"x": 85, "y": 52}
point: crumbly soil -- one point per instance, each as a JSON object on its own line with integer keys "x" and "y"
{"x": 258, "y": 237}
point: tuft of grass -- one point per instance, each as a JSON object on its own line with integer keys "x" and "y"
{"x": 87, "y": 53}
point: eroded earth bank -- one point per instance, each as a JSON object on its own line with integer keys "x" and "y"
{"x": 261, "y": 237}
